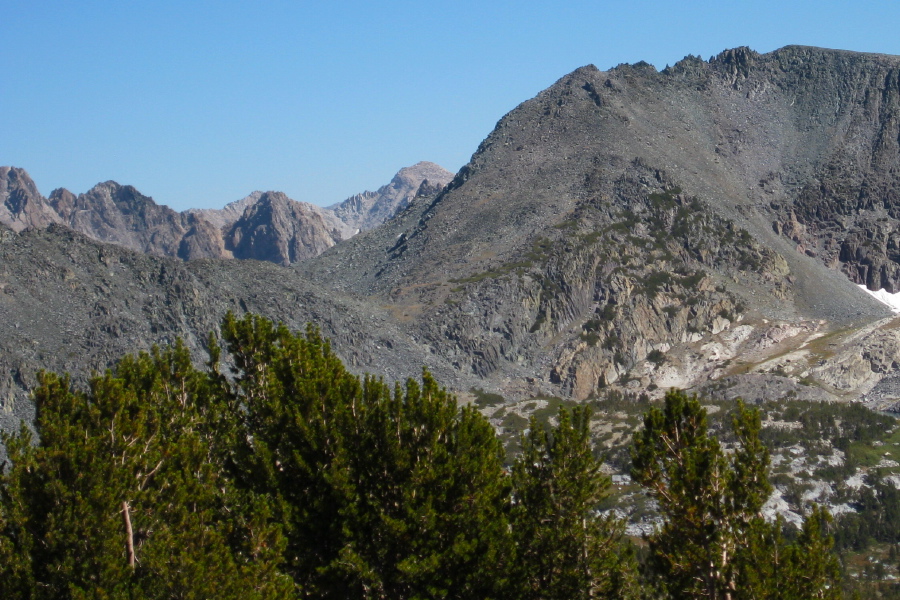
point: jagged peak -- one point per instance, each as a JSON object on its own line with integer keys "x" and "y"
{"x": 14, "y": 171}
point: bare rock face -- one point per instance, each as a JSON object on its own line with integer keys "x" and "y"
{"x": 71, "y": 304}
{"x": 223, "y": 218}
{"x": 201, "y": 240}
{"x": 121, "y": 215}
{"x": 280, "y": 230}
{"x": 21, "y": 205}
{"x": 621, "y": 217}
{"x": 628, "y": 229}
{"x": 370, "y": 209}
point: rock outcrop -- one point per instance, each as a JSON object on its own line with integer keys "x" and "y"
{"x": 628, "y": 229}
{"x": 21, "y": 205}
{"x": 621, "y": 216}
{"x": 280, "y": 230}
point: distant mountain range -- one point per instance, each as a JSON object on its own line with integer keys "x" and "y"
{"x": 704, "y": 227}
{"x": 264, "y": 225}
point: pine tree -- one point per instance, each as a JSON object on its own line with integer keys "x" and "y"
{"x": 714, "y": 542}
{"x": 425, "y": 496}
{"x": 124, "y": 496}
{"x": 293, "y": 400}
{"x": 564, "y": 550}
{"x": 384, "y": 492}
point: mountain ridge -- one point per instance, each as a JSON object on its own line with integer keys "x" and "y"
{"x": 120, "y": 214}
{"x": 688, "y": 127}
{"x": 636, "y": 229}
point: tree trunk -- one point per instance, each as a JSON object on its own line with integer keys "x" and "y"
{"x": 129, "y": 535}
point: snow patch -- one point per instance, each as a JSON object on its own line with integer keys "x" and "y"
{"x": 885, "y": 297}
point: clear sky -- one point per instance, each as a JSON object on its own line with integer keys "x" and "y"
{"x": 199, "y": 103}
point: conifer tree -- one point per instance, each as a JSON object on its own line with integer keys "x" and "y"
{"x": 293, "y": 400}
{"x": 384, "y": 492}
{"x": 564, "y": 550}
{"x": 124, "y": 496}
{"x": 714, "y": 542}
{"x": 425, "y": 497}
{"x": 806, "y": 568}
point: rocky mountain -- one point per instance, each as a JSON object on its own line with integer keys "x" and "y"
{"x": 263, "y": 226}
{"x": 71, "y": 304}
{"x": 280, "y": 230}
{"x": 224, "y": 217}
{"x": 22, "y": 205}
{"x": 706, "y": 225}
{"x": 370, "y": 209}
{"x": 121, "y": 215}
{"x": 110, "y": 213}
{"x": 641, "y": 229}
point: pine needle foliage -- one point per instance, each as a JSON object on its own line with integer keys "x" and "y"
{"x": 385, "y": 491}
{"x": 124, "y": 496}
{"x": 565, "y": 550}
{"x": 714, "y": 542}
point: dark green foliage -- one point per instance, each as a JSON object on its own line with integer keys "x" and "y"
{"x": 691, "y": 281}
{"x": 291, "y": 394}
{"x": 654, "y": 282}
{"x": 589, "y": 337}
{"x": 775, "y": 569}
{"x": 565, "y": 551}
{"x": 591, "y": 325}
{"x": 483, "y": 398}
{"x": 657, "y": 357}
{"x": 607, "y": 313}
{"x": 877, "y": 518}
{"x": 384, "y": 492}
{"x": 137, "y": 450}
{"x": 290, "y": 477}
{"x": 714, "y": 542}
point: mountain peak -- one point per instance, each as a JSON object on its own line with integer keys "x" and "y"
{"x": 369, "y": 209}
{"x": 21, "y": 205}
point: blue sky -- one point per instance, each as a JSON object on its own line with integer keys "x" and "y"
{"x": 199, "y": 103}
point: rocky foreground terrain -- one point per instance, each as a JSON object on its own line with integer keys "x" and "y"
{"x": 625, "y": 230}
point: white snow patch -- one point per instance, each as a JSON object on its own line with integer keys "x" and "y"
{"x": 885, "y": 297}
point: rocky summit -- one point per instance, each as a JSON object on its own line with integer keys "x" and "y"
{"x": 706, "y": 225}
